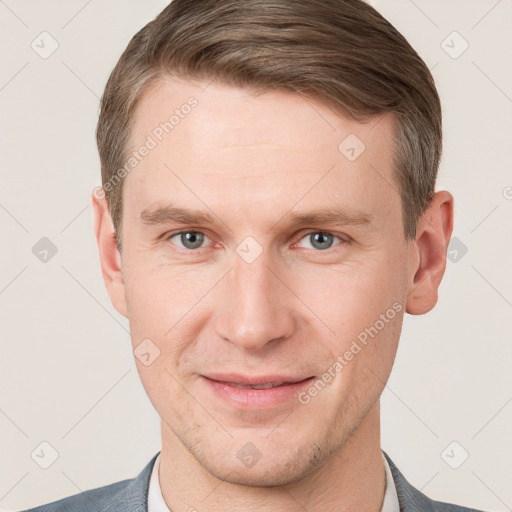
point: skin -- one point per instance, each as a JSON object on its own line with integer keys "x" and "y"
{"x": 251, "y": 161}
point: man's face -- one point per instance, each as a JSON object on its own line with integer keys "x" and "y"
{"x": 251, "y": 296}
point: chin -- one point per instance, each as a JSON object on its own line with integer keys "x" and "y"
{"x": 266, "y": 475}
{"x": 277, "y": 468}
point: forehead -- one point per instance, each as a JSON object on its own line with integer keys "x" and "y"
{"x": 240, "y": 116}
{"x": 224, "y": 144}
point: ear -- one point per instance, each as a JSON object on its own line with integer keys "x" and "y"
{"x": 110, "y": 258}
{"x": 427, "y": 256}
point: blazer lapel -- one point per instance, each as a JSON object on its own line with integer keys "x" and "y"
{"x": 134, "y": 497}
{"x": 409, "y": 498}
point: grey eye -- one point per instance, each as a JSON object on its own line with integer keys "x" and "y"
{"x": 190, "y": 239}
{"x": 321, "y": 240}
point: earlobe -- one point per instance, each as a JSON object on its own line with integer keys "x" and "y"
{"x": 428, "y": 254}
{"x": 110, "y": 258}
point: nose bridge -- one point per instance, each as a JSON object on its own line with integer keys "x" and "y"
{"x": 257, "y": 308}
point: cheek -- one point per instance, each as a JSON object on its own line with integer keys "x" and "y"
{"x": 167, "y": 306}
{"x": 159, "y": 296}
{"x": 353, "y": 295}
{"x": 362, "y": 307}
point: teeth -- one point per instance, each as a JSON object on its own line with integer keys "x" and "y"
{"x": 266, "y": 386}
{"x": 257, "y": 386}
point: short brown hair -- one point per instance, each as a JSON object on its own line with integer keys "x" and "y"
{"x": 342, "y": 52}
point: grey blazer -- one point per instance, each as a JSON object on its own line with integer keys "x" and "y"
{"x": 132, "y": 496}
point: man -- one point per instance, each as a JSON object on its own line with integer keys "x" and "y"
{"x": 267, "y": 216}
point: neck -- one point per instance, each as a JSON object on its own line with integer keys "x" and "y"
{"x": 352, "y": 479}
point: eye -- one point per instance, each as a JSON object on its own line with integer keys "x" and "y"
{"x": 189, "y": 239}
{"x": 321, "y": 240}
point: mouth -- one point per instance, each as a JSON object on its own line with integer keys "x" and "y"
{"x": 255, "y": 392}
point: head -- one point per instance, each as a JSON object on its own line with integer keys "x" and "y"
{"x": 269, "y": 208}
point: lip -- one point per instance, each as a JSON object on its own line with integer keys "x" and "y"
{"x": 230, "y": 388}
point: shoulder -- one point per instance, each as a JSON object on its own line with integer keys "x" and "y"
{"x": 124, "y": 496}
{"x": 412, "y": 500}
{"x": 100, "y": 499}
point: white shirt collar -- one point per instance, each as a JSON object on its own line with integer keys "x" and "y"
{"x": 390, "y": 503}
{"x": 156, "y": 501}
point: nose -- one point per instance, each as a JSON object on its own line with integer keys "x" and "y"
{"x": 256, "y": 306}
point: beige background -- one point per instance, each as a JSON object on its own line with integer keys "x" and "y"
{"x": 67, "y": 374}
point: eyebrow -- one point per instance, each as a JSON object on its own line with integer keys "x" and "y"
{"x": 334, "y": 216}
{"x": 169, "y": 214}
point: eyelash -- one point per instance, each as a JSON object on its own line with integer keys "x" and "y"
{"x": 343, "y": 240}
